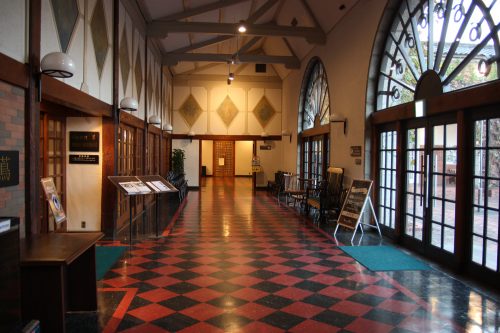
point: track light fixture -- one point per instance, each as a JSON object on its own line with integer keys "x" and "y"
{"x": 242, "y": 27}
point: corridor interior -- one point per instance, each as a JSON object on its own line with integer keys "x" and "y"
{"x": 238, "y": 262}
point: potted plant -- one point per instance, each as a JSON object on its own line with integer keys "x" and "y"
{"x": 178, "y": 157}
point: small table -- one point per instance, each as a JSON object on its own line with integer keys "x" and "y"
{"x": 58, "y": 274}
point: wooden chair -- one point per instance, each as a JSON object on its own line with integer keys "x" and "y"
{"x": 296, "y": 190}
{"x": 327, "y": 198}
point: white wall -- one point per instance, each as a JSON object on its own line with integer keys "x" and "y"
{"x": 243, "y": 158}
{"x": 346, "y": 57}
{"x": 269, "y": 161}
{"x": 83, "y": 181}
{"x": 192, "y": 161}
{"x": 207, "y": 159}
{"x": 81, "y": 48}
{"x": 13, "y": 26}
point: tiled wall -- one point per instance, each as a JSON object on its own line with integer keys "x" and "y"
{"x": 12, "y": 102}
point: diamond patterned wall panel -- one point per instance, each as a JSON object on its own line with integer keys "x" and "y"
{"x": 99, "y": 36}
{"x": 190, "y": 110}
{"x": 227, "y": 111}
{"x": 66, "y": 16}
{"x": 264, "y": 111}
{"x": 138, "y": 75}
{"x": 124, "y": 60}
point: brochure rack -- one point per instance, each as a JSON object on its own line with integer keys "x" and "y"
{"x": 133, "y": 186}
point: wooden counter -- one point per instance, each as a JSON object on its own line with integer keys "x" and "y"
{"x": 58, "y": 274}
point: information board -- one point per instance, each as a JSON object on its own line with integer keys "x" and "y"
{"x": 354, "y": 203}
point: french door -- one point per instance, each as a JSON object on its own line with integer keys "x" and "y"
{"x": 430, "y": 187}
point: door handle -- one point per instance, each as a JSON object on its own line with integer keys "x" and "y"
{"x": 427, "y": 170}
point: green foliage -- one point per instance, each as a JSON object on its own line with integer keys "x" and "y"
{"x": 178, "y": 157}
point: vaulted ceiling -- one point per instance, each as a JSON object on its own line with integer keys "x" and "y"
{"x": 201, "y": 36}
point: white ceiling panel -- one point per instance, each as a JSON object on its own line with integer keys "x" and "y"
{"x": 211, "y": 16}
{"x": 300, "y": 46}
{"x": 158, "y": 8}
{"x": 236, "y": 13}
{"x": 175, "y": 41}
{"x": 328, "y": 13}
{"x": 276, "y": 46}
{"x": 294, "y": 9}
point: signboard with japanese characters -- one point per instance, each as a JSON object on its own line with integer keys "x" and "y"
{"x": 9, "y": 168}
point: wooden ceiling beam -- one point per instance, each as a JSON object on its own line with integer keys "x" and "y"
{"x": 171, "y": 59}
{"x": 160, "y": 29}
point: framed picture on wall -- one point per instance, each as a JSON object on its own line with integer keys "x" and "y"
{"x": 52, "y": 197}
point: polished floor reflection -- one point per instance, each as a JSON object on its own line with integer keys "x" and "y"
{"x": 237, "y": 262}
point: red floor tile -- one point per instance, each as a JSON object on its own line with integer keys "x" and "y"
{"x": 151, "y": 312}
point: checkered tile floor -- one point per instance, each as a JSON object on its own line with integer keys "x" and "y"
{"x": 240, "y": 263}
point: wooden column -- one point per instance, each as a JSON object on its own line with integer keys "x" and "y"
{"x": 32, "y": 123}
{"x": 110, "y": 140}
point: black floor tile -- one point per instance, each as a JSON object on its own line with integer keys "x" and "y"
{"x": 294, "y": 263}
{"x": 282, "y": 320}
{"x": 182, "y": 287}
{"x": 179, "y": 303}
{"x": 387, "y": 317}
{"x": 187, "y": 264}
{"x": 144, "y": 276}
{"x": 175, "y": 322}
{"x": 334, "y": 318}
{"x": 259, "y": 264}
{"x": 310, "y": 285}
{"x": 366, "y": 299}
{"x": 268, "y": 286}
{"x": 274, "y": 301}
{"x": 301, "y": 273}
{"x": 320, "y": 300}
{"x": 351, "y": 285}
{"x": 263, "y": 274}
{"x": 184, "y": 275}
{"x": 224, "y": 275}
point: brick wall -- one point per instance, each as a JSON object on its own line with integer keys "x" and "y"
{"x": 12, "y": 101}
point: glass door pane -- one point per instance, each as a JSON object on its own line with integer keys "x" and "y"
{"x": 485, "y": 205}
{"x": 415, "y": 184}
{"x": 443, "y": 186}
{"x": 387, "y": 179}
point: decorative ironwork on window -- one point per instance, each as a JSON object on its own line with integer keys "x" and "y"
{"x": 315, "y": 99}
{"x": 437, "y": 46}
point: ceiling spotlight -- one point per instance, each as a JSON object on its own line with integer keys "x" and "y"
{"x": 242, "y": 28}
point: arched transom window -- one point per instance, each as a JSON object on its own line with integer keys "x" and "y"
{"x": 314, "y": 119}
{"x": 315, "y": 100}
{"x": 437, "y": 46}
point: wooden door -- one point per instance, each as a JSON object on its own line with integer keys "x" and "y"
{"x": 223, "y": 158}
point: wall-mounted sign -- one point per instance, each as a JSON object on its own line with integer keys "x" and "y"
{"x": 355, "y": 151}
{"x": 265, "y": 147}
{"x": 83, "y": 159}
{"x": 9, "y": 168}
{"x": 84, "y": 141}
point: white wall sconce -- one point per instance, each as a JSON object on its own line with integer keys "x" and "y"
{"x": 168, "y": 128}
{"x": 129, "y": 104}
{"x": 336, "y": 118}
{"x": 191, "y": 136}
{"x": 154, "y": 120}
{"x": 55, "y": 64}
{"x": 287, "y": 133}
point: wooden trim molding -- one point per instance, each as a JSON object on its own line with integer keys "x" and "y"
{"x": 13, "y": 72}
{"x": 153, "y": 129}
{"x": 228, "y": 137}
{"x": 131, "y": 120}
{"x": 59, "y": 92}
{"x": 323, "y": 129}
{"x": 484, "y": 94}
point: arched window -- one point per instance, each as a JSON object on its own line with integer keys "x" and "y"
{"x": 436, "y": 159}
{"x": 314, "y": 119}
{"x": 441, "y": 46}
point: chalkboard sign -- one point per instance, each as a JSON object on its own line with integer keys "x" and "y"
{"x": 84, "y": 141}
{"x": 354, "y": 203}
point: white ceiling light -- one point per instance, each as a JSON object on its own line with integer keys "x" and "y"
{"x": 129, "y": 104}
{"x": 242, "y": 27}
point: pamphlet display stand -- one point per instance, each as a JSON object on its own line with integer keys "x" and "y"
{"x": 133, "y": 186}
{"x": 354, "y": 207}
